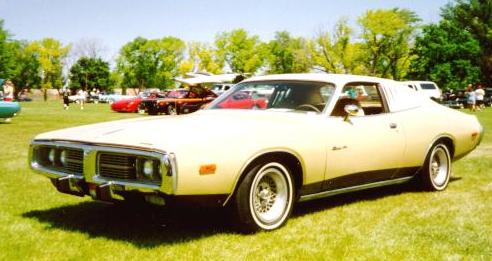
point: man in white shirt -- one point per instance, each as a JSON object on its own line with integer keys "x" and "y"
{"x": 479, "y": 93}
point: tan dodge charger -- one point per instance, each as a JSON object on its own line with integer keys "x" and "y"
{"x": 265, "y": 144}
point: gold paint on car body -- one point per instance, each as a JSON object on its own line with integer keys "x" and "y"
{"x": 232, "y": 139}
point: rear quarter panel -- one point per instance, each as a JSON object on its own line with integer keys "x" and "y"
{"x": 426, "y": 124}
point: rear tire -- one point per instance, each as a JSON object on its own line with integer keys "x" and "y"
{"x": 265, "y": 198}
{"x": 436, "y": 171}
{"x": 171, "y": 110}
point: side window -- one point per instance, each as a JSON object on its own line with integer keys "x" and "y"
{"x": 401, "y": 98}
{"x": 366, "y": 95}
{"x": 427, "y": 86}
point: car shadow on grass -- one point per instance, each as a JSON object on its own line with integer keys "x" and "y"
{"x": 143, "y": 226}
{"x": 146, "y": 226}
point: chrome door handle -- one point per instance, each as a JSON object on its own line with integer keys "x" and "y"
{"x": 393, "y": 125}
{"x": 338, "y": 147}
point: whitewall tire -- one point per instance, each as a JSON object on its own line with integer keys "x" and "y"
{"x": 265, "y": 198}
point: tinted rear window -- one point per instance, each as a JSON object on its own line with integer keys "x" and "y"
{"x": 427, "y": 86}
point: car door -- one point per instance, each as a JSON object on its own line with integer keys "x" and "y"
{"x": 366, "y": 148}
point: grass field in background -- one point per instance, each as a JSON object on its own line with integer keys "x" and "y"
{"x": 398, "y": 222}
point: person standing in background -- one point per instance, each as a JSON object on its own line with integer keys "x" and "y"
{"x": 81, "y": 96}
{"x": 480, "y": 93}
{"x": 471, "y": 98}
{"x": 8, "y": 91}
{"x": 66, "y": 100}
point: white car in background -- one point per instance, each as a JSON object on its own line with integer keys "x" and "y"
{"x": 219, "y": 88}
{"x": 426, "y": 87}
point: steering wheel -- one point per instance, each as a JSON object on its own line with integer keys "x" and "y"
{"x": 307, "y": 106}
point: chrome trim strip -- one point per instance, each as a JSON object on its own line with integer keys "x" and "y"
{"x": 168, "y": 183}
{"x": 354, "y": 188}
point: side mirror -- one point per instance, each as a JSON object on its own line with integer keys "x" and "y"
{"x": 351, "y": 110}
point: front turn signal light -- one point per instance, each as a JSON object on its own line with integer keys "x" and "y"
{"x": 208, "y": 169}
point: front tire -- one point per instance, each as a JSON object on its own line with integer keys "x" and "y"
{"x": 265, "y": 198}
{"x": 437, "y": 168}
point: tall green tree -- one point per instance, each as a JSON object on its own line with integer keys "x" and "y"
{"x": 287, "y": 54}
{"x": 475, "y": 16}
{"x": 201, "y": 57}
{"x": 387, "y": 37}
{"x": 242, "y": 53}
{"x": 50, "y": 54}
{"x": 8, "y": 49}
{"x": 28, "y": 69}
{"x": 89, "y": 73}
{"x": 447, "y": 55}
{"x": 336, "y": 52}
{"x": 147, "y": 63}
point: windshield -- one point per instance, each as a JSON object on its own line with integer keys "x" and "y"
{"x": 177, "y": 94}
{"x": 287, "y": 95}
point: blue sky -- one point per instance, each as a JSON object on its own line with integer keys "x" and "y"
{"x": 115, "y": 22}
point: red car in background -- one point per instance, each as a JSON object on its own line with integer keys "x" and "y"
{"x": 244, "y": 100}
{"x": 126, "y": 105}
{"x": 132, "y": 104}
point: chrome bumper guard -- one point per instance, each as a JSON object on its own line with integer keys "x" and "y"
{"x": 103, "y": 188}
{"x": 70, "y": 185}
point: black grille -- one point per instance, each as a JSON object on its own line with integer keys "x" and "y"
{"x": 117, "y": 166}
{"x": 75, "y": 161}
{"x": 73, "y": 164}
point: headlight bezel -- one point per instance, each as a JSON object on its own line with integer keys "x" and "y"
{"x": 52, "y": 156}
{"x": 89, "y": 165}
{"x": 46, "y": 156}
{"x": 62, "y": 158}
{"x": 155, "y": 175}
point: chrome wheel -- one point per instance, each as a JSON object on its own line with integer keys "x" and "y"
{"x": 171, "y": 110}
{"x": 271, "y": 196}
{"x": 439, "y": 166}
{"x": 265, "y": 197}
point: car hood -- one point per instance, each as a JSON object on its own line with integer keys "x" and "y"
{"x": 173, "y": 132}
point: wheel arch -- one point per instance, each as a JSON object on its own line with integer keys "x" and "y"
{"x": 292, "y": 161}
{"x": 448, "y": 140}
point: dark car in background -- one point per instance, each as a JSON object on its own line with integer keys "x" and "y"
{"x": 149, "y": 103}
{"x": 454, "y": 99}
{"x": 487, "y": 99}
{"x": 179, "y": 101}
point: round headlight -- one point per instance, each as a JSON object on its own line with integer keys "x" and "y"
{"x": 63, "y": 157}
{"x": 51, "y": 156}
{"x": 148, "y": 168}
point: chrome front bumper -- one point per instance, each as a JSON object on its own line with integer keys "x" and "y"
{"x": 97, "y": 186}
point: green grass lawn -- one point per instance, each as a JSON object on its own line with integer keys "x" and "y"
{"x": 399, "y": 222}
